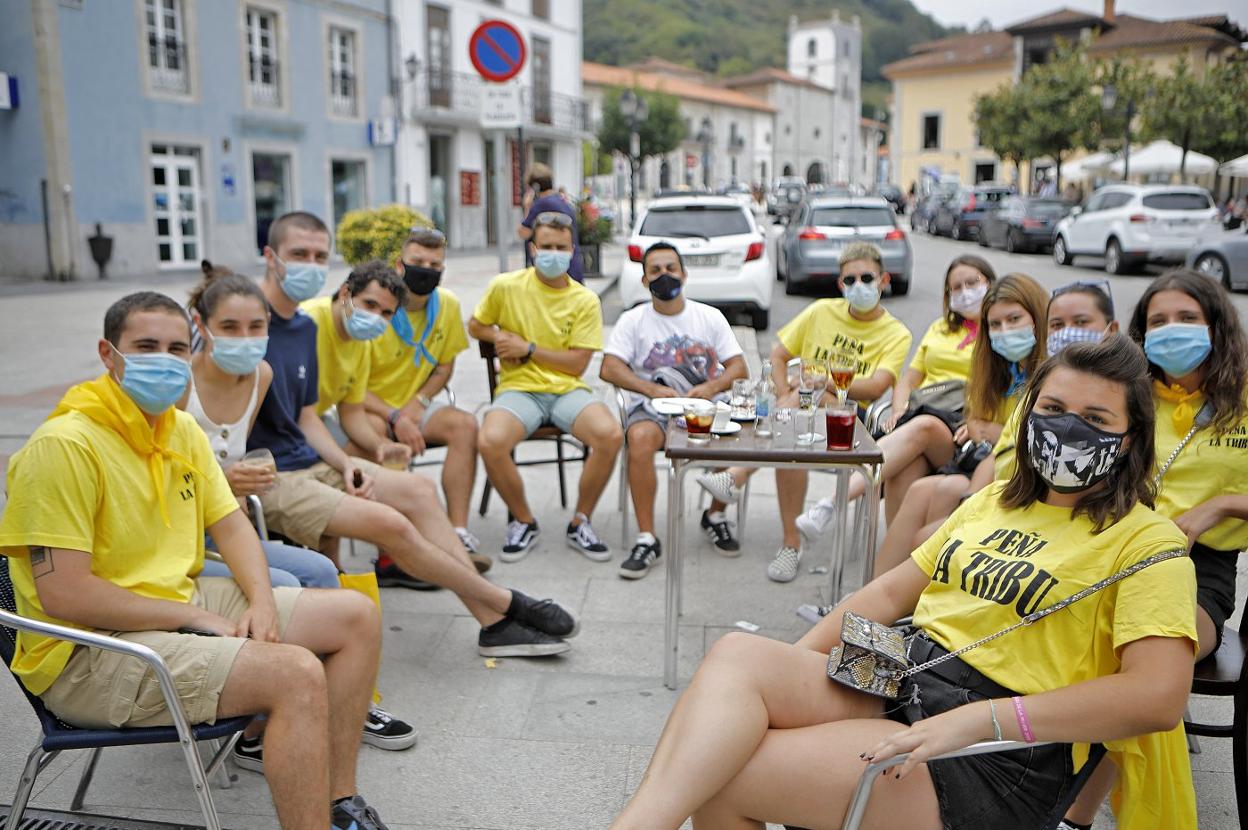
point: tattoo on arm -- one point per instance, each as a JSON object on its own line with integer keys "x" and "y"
{"x": 41, "y": 561}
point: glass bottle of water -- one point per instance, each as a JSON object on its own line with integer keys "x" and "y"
{"x": 765, "y": 403}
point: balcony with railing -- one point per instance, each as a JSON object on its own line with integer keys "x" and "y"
{"x": 342, "y": 100}
{"x": 263, "y": 85}
{"x": 166, "y": 64}
{"x": 434, "y": 93}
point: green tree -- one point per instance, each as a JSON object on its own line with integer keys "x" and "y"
{"x": 660, "y": 133}
{"x": 1202, "y": 113}
{"x": 1226, "y": 137}
{"x": 999, "y": 116}
{"x": 1133, "y": 82}
{"x": 1060, "y": 108}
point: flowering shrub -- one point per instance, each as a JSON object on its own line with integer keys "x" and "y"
{"x": 591, "y": 227}
{"x": 377, "y": 233}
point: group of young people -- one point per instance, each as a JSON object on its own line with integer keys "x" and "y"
{"x": 1031, "y": 451}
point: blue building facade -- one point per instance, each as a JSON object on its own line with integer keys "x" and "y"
{"x": 183, "y": 127}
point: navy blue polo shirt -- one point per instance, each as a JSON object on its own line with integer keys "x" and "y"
{"x": 557, "y": 204}
{"x": 292, "y": 354}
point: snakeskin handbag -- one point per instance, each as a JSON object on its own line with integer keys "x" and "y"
{"x": 874, "y": 658}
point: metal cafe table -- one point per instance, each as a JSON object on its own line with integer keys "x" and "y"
{"x": 780, "y": 451}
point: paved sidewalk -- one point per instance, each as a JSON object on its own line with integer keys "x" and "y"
{"x": 554, "y": 744}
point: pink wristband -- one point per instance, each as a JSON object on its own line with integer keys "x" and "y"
{"x": 1024, "y": 725}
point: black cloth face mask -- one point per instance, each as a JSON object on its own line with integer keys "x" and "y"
{"x": 421, "y": 280}
{"x": 1070, "y": 454}
{"x": 665, "y": 287}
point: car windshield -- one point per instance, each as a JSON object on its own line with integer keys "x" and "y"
{"x": 1177, "y": 201}
{"x": 1046, "y": 208}
{"x": 703, "y": 221}
{"x": 851, "y": 217}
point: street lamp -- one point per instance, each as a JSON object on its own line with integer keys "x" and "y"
{"x": 1109, "y": 98}
{"x": 706, "y": 137}
{"x": 635, "y": 110}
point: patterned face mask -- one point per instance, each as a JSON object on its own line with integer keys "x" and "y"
{"x": 1070, "y": 454}
{"x": 1061, "y": 338}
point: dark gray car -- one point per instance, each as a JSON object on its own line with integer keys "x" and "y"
{"x": 810, "y": 248}
{"x": 1022, "y": 223}
{"x": 1222, "y": 257}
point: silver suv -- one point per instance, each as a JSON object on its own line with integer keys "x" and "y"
{"x": 1132, "y": 224}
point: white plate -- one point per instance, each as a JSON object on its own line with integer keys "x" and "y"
{"x": 729, "y": 428}
{"x": 673, "y": 406}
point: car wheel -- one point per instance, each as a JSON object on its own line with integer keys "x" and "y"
{"x": 781, "y": 272}
{"x": 1011, "y": 241}
{"x": 900, "y": 288}
{"x": 1114, "y": 261}
{"x": 1214, "y": 266}
{"x": 1060, "y": 255}
{"x": 956, "y": 232}
{"x": 931, "y": 227}
{"x": 760, "y": 318}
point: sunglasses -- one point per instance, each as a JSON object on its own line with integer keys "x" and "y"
{"x": 428, "y": 237}
{"x": 553, "y": 218}
{"x": 867, "y": 278}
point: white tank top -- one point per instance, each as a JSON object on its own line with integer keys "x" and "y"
{"x": 228, "y": 441}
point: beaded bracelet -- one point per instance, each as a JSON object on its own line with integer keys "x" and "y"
{"x": 1024, "y": 725}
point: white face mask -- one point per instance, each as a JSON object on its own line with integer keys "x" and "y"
{"x": 968, "y": 300}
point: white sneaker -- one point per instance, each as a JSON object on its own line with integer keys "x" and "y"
{"x": 470, "y": 542}
{"x": 784, "y": 567}
{"x": 720, "y": 485}
{"x": 815, "y": 521}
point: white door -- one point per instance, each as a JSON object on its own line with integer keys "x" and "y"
{"x": 175, "y": 205}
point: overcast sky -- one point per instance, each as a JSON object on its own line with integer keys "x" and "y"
{"x": 1006, "y": 12}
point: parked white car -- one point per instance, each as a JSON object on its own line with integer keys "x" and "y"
{"x": 1130, "y": 225}
{"x": 723, "y": 248}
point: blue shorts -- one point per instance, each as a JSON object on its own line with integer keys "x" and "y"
{"x": 537, "y": 409}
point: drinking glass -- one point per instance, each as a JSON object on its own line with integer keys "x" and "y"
{"x": 699, "y": 416}
{"x": 840, "y": 420}
{"x": 743, "y": 398}
{"x": 803, "y": 426}
{"x": 842, "y": 370}
{"x": 396, "y": 456}
{"x": 813, "y": 383}
{"x": 261, "y": 458}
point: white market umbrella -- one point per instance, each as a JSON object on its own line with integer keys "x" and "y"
{"x": 1236, "y": 167}
{"x": 1086, "y": 166}
{"x": 1163, "y": 157}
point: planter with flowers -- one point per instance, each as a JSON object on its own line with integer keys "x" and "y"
{"x": 592, "y": 231}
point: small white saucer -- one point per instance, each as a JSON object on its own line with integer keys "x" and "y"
{"x": 730, "y": 428}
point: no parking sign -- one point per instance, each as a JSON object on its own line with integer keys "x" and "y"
{"x": 497, "y": 50}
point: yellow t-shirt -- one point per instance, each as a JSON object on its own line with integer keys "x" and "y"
{"x": 1210, "y": 465}
{"x": 990, "y": 566}
{"x": 342, "y": 365}
{"x": 394, "y": 374}
{"x": 553, "y": 318}
{"x": 77, "y": 485}
{"x": 939, "y": 357}
{"x": 826, "y": 328}
{"x": 1004, "y": 452}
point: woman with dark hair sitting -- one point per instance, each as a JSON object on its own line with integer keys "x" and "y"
{"x": 762, "y": 734}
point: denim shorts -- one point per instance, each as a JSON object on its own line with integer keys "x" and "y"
{"x": 537, "y": 409}
{"x": 1016, "y": 790}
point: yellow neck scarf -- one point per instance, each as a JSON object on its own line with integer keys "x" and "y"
{"x": 1188, "y": 403}
{"x": 103, "y": 401}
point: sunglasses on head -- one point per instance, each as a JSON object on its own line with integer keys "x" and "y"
{"x": 553, "y": 218}
{"x": 1099, "y": 285}
{"x": 867, "y": 278}
{"x": 428, "y": 237}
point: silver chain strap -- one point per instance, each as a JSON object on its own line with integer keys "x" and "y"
{"x": 1052, "y": 609}
{"x": 1175, "y": 454}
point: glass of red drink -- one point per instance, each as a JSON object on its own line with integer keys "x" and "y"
{"x": 840, "y": 422}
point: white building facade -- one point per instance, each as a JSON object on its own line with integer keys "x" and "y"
{"x": 799, "y": 142}
{"x": 828, "y": 53}
{"x": 446, "y": 162}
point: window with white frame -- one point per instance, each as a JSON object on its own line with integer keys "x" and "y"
{"x": 342, "y": 85}
{"x": 262, "y": 64}
{"x": 166, "y": 45}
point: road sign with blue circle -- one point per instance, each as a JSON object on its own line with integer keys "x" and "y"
{"x": 497, "y": 50}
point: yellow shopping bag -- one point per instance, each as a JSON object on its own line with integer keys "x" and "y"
{"x": 366, "y": 584}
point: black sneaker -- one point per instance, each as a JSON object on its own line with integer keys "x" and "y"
{"x": 390, "y": 575}
{"x": 545, "y": 615}
{"x": 640, "y": 558}
{"x": 354, "y": 814}
{"x": 582, "y": 538}
{"x": 384, "y": 731}
{"x": 510, "y": 638}
{"x": 520, "y": 539}
{"x": 249, "y": 754}
{"x": 720, "y": 534}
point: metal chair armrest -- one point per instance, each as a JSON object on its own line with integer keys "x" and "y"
{"x": 858, "y": 806}
{"x": 621, "y": 406}
{"x": 257, "y": 517}
{"x": 876, "y": 412}
{"x": 449, "y": 394}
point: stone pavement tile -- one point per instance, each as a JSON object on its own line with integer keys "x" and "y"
{"x": 606, "y": 708}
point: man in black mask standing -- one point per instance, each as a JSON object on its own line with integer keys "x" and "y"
{"x": 670, "y": 347}
{"x": 409, "y": 365}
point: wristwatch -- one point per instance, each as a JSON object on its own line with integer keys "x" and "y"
{"x": 425, "y": 400}
{"x": 532, "y": 348}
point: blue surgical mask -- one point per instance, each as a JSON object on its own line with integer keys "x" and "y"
{"x": 365, "y": 325}
{"x": 304, "y": 280}
{"x": 154, "y": 382}
{"x": 1061, "y": 338}
{"x": 1013, "y": 344}
{"x": 862, "y": 297}
{"x": 1177, "y": 348}
{"x": 551, "y": 264}
{"x": 238, "y": 355}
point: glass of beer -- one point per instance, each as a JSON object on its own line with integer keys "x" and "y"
{"x": 260, "y": 458}
{"x": 840, "y": 422}
{"x": 841, "y": 369}
{"x": 395, "y": 457}
{"x": 698, "y": 419}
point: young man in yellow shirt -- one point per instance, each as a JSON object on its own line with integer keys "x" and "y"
{"x": 545, "y": 328}
{"x": 109, "y": 502}
{"x": 856, "y": 327}
{"x": 413, "y": 362}
{"x": 322, "y": 491}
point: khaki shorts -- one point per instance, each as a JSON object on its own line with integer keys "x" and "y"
{"x": 300, "y": 504}
{"x": 100, "y": 689}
